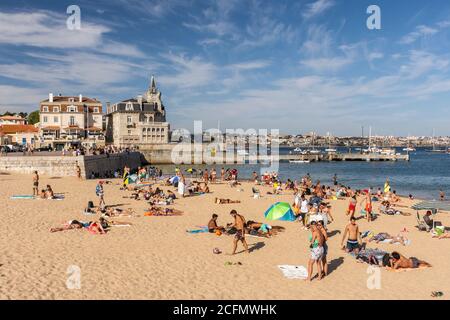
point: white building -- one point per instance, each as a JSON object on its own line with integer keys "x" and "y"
{"x": 69, "y": 120}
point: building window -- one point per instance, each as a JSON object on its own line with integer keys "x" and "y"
{"x": 72, "y": 121}
{"x": 55, "y": 109}
{"x": 95, "y": 110}
{"x": 55, "y": 119}
{"x": 129, "y": 132}
{"x": 45, "y": 119}
{"x": 129, "y": 107}
{"x": 71, "y": 100}
{"x": 72, "y": 109}
{"x": 162, "y": 130}
{"x": 45, "y": 109}
{"x": 129, "y": 119}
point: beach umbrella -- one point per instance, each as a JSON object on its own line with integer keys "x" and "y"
{"x": 132, "y": 178}
{"x": 174, "y": 179}
{"x": 280, "y": 211}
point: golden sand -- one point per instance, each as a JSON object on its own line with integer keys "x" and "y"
{"x": 156, "y": 259}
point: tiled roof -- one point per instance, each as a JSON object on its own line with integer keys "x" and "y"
{"x": 66, "y": 99}
{"x": 14, "y": 128}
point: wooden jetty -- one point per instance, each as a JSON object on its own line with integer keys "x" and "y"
{"x": 330, "y": 157}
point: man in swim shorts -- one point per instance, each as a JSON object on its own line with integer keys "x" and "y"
{"x": 353, "y": 239}
{"x": 239, "y": 224}
{"x": 35, "y": 183}
{"x": 400, "y": 262}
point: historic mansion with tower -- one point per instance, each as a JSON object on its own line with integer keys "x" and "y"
{"x": 138, "y": 121}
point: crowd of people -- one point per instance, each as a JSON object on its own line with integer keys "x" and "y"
{"x": 311, "y": 206}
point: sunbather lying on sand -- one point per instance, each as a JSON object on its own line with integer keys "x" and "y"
{"x": 386, "y": 237}
{"x": 225, "y": 201}
{"x": 262, "y": 229}
{"x": 93, "y": 226}
{"x": 398, "y": 261}
{"x": 105, "y": 224}
{"x": 157, "y": 211}
{"x": 117, "y": 212}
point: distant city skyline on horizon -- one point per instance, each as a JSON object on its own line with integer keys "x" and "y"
{"x": 296, "y": 66}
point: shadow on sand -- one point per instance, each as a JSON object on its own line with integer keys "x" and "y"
{"x": 335, "y": 264}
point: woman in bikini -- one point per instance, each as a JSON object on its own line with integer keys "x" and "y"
{"x": 93, "y": 227}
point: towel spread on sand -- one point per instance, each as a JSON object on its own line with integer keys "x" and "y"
{"x": 202, "y": 230}
{"x": 22, "y": 197}
{"x": 294, "y": 272}
{"x": 26, "y": 196}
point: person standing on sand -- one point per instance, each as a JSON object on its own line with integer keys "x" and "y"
{"x": 316, "y": 240}
{"x": 442, "y": 195}
{"x": 368, "y": 207}
{"x": 213, "y": 175}
{"x": 222, "y": 174}
{"x": 239, "y": 224}
{"x": 354, "y": 238}
{"x": 387, "y": 187}
{"x": 335, "y": 182}
{"x": 78, "y": 171}
{"x": 321, "y": 228}
{"x": 35, "y": 183}
{"x": 181, "y": 185}
{"x": 352, "y": 206}
{"x": 100, "y": 194}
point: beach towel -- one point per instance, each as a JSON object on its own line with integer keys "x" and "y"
{"x": 16, "y": 197}
{"x": 195, "y": 231}
{"x": 294, "y": 272}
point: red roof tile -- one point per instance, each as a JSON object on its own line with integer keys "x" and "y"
{"x": 15, "y": 128}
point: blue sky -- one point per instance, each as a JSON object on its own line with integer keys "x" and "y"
{"x": 298, "y": 66}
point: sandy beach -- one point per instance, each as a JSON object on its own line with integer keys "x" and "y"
{"x": 156, "y": 258}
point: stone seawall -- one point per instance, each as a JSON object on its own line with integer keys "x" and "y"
{"x": 104, "y": 164}
{"x": 61, "y": 166}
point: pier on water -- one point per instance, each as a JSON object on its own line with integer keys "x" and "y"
{"x": 369, "y": 157}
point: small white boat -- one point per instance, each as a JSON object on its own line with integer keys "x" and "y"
{"x": 409, "y": 149}
{"x": 314, "y": 151}
{"x": 330, "y": 150}
{"x": 297, "y": 150}
{"x": 299, "y": 161}
{"x": 242, "y": 153}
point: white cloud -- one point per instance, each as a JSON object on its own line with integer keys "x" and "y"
{"x": 189, "y": 72}
{"x": 375, "y": 55}
{"x": 45, "y": 29}
{"x": 326, "y": 64}
{"x": 318, "y": 7}
{"x": 421, "y": 31}
{"x": 421, "y": 63}
{"x": 250, "y": 65}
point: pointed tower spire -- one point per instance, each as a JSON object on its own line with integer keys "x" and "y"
{"x": 153, "y": 83}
